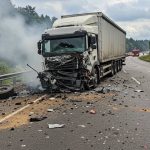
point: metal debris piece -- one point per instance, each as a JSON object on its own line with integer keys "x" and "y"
{"x": 50, "y": 110}
{"x": 40, "y": 130}
{"x": 103, "y": 90}
{"x": 37, "y": 118}
{"x": 47, "y": 137}
{"x": 23, "y": 145}
{"x": 82, "y": 137}
{"x": 92, "y": 111}
{"x": 53, "y": 126}
{"x": 138, "y": 91}
{"x": 52, "y": 98}
{"x": 73, "y": 101}
{"x": 83, "y": 126}
{"x": 31, "y": 113}
{"x": 18, "y": 103}
{"x": 24, "y": 93}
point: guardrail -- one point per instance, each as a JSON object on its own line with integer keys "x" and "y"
{"x": 12, "y": 76}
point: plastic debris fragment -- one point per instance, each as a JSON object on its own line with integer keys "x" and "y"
{"x": 53, "y": 126}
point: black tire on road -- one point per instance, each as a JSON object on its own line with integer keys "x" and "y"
{"x": 6, "y": 92}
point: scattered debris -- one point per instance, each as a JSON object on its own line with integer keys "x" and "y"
{"x": 83, "y": 126}
{"x": 92, "y": 111}
{"x": 52, "y": 98}
{"x": 144, "y": 110}
{"x": 37, "y": 118}
{"x": 75, "y": 101}
{"x": 50, "y": 110}
{"x": 82, "y": 137}
{"x": 23, "y": 145}
{"x": 138, "y": 91}
{"x": 53, "y": 126}
{"x": 31, "y": 103}
{"x": 24, "y": 93}
{"x": 40, "y": 130}
{"x": 102, "y": 90}
{"x": 31, "y": 113}
{"x": 12, "y": 129}
{"x": 47, "y": 137}
{"x": 18, "y": 103}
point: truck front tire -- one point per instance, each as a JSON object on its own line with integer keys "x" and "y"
{"x": 96, "y": 78}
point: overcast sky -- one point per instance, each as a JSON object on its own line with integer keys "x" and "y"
{"x": 132, "y": 15}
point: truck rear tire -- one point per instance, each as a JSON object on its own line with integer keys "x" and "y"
{"x": 115, "y": 67}
{"x": 120, "y": 65}
{"x": 112, "y": 69}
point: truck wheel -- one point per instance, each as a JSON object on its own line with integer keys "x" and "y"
{"x": 115, "y": 67}
{"x": 6, "y": 92}
{"x": 120, "y": 65}
{"x": 112, "y": 70}
{"x": 96, "y": 78}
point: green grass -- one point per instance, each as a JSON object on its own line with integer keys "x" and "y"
{"x": 145, "y": 58}
{"x": 4, "y": 68}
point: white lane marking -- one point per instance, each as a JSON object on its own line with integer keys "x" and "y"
{"x": 124, "y": 71}
{"x": 136, "y": 80}
{"x": 19, "y": 110}
{"x": 39, "y": 99}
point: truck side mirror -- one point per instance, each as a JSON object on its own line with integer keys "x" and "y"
{"x": 39, "y": 47}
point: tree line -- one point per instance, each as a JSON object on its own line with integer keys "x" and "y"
{"x": 142, "y": 45}
{"x": 31, "y": 17}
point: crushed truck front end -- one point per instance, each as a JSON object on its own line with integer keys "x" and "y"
{"x": 66, "y": 62}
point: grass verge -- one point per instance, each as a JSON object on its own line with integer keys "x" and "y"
{"x": 145, "y": 58}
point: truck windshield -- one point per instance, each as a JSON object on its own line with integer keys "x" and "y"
{"x": 73, "y": 44}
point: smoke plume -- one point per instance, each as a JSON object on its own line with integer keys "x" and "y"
{"x": 17, "y": 40}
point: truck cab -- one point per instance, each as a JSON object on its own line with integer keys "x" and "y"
{"x": 70, "y": 52}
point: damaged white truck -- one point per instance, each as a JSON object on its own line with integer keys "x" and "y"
{"x": 79, "y": 50}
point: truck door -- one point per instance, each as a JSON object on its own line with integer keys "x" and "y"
{"x": 92, "y": 50}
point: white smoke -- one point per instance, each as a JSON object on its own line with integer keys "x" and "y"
{"x": 17, "y": 40}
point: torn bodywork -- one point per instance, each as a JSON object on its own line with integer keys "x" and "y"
{"x": 65, "y": 72}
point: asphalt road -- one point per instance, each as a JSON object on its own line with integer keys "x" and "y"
{"x": 121, "y": 121}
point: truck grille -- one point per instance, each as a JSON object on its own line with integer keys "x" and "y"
{"x": 63, "y": 63}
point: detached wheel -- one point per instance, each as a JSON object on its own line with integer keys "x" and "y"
{"x": 6, "y": 92}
